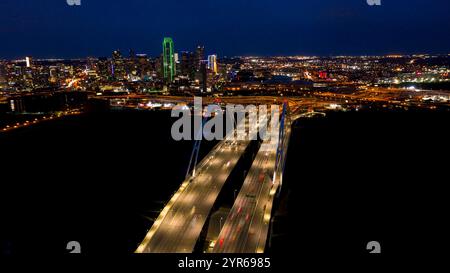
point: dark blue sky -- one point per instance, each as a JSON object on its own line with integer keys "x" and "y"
{"x": 51, "y": 28}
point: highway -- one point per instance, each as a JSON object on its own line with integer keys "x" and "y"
{"x": 245, "y": 229}
{"x": 39, "y": 119}
{"x": 180, "y": 223}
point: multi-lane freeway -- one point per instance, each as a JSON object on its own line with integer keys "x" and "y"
{"x": 180, "y": 223}
{"x": 245, "y": 230}
{"x": 246, "y": 227}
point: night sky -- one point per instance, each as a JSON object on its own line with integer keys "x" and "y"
{"x": 51, "y": 28}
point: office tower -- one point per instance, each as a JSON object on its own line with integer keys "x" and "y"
{"x": 29, "y": 61}
{"x": 176, "y": 60}
{"x": 204, "y": 74}
{"x": 143, "y": 65}
{"x": 103, "y": 67}
{"x": 184, "y": 62}
{"x": 212, "y": 63}
{"x": 187, "y": 64}
{"x": 131, "y": 67}
{"x": 199, "y": 56}
{"x": 118, "y": 65}
{"x": 168, "y": 60}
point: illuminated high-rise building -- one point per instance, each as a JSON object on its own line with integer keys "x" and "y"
{"x": 29, "y": 61}
{"x": 168, "y": 60}
{"x": 103, "y": 67}
{"x": 212, "y": 63}
{"x": 199, "y": 56}
{"x": 118, "y": 65}
{"x": 187, "y": 64}
{"x": 176, "y": 59}
{"x": 204, "y": 76}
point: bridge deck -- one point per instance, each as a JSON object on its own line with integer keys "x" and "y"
{"x": 179, "y": 225}
{"x": 245, "y": 230}
{"x": 247, "y": 226}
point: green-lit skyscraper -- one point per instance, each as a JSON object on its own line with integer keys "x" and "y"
{"x": 168, "y": 60}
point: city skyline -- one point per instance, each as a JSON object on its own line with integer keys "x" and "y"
{"x": 264, "y": 28}
{"x": 156, "y": 55}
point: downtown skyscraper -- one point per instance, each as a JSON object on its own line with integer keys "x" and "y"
{"x": 212, "y": 63}
{"x": 168, "y": 60}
